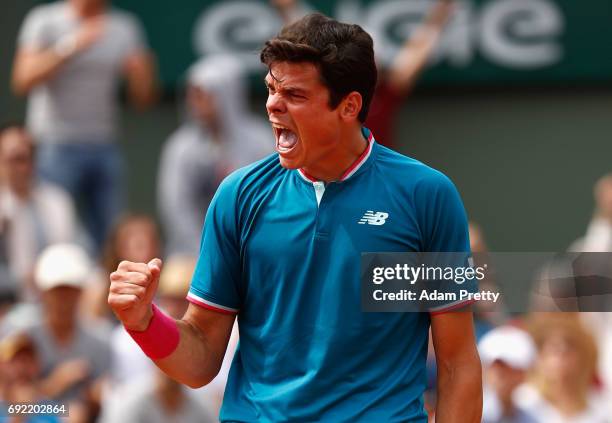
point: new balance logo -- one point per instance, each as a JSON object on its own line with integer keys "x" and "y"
{"x": 374, "y": 218}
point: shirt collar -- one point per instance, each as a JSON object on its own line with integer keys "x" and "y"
{"x": 357, "y": 164}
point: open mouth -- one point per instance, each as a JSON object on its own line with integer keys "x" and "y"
{"x": 286, "y": 139}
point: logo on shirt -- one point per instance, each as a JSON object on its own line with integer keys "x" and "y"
{"x": 374, "y": 218}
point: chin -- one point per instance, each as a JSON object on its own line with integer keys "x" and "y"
{"x": 288, "y": 163}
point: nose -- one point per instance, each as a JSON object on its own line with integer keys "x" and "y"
{"x": 275, "y": 104}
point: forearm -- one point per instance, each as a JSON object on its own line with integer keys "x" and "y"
{"x": 183, "y": 349}
{"x": 459, "y": 393}
{"x": 49, "y": 388}
{"x": 193, "y": 363}
{"x": 189, "y": 350}
{"x": 440, "y": 14}
{"x": 413, "y": 56}
{"x": 142, "y": 87}
{"x": 35, "y": 69}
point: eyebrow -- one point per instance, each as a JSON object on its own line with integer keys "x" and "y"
{"x": 287, "y": 89}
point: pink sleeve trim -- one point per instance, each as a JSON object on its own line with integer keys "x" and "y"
{"x": 199, "y": 301}
{"x": 452, "y": 307}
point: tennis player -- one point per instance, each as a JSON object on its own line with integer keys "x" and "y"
{"x": 281, "y": 251}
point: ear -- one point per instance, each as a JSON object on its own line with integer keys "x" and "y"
{"x": 351, "y": 106}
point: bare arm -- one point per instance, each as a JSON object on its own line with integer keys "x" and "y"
{"x": 33, "y": 66}
{"x": 459, "y": 370}
{"x": 204, "y": 334}
{"x": 414, "y": 54}
{"x": 204, "y": 338}
{"x": 289, "y": 10}
{"x": 141, "y": 80}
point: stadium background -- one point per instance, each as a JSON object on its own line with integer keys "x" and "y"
{"x": 523, "y": 143}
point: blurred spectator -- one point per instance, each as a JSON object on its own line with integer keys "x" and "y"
{"x": 73, "y": 358}
{"x": 562, "y": 385}
{"x": 598, "y": 237}
{"x": 290, "y": 10}
{"x": 507, "y": 353}
{"x": 33, "y": 214}
{"x": 70, "y": 57}
{"x": 158, "y": 398}
{"x": 134, "y": 237}
{"x": 396, "y": 80}
{"x": 218, "y": 136}
{"x": 487, "y": 314}
{"x": 19, "y": 369}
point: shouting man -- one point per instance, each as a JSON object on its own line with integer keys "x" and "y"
{"x": 281, "y": 251}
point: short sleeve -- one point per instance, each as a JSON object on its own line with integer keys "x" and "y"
{"x": 442, "y": 219}
{"x": 32, "y": 32}
{"x": 444, "y": 228}
{"x": 218, "y": 271}
{"x": 133, "y": 39}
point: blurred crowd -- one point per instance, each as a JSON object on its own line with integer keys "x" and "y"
{"x": 64, "y": 228}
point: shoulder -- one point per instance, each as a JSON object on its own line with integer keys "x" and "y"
{"x": 51, "y": 192}
{"x": 43, "y": 13}
{"x": 48, "y": 9}
{"x": 409, "y": 172}
{"x": 53, "y": 198}
{"x": 122, "y": 17}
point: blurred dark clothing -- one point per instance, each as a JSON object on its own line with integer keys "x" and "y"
{"x": 94, "y": 175}
{"x": 383, "y": 112}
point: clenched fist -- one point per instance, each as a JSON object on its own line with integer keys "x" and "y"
{"x": 132, "y": 288}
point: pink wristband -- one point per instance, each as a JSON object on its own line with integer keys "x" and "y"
{"x": 160, "y": 339}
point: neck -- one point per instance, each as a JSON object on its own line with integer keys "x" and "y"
{"x": 62, "y": 333}
{"x": 86, "y": 10}
{"x": 21, "y": 192}
{"x": 336, "y": 162}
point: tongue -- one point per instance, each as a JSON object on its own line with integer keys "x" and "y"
{"x": 287, "y": 138}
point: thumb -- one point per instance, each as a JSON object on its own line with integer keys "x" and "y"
{"x": 155, "y": 266}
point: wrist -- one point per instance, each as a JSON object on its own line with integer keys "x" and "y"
{"x": 160, "y": 337}
{"x": 144, "y": 324}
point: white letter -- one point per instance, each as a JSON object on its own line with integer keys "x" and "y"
{"x": 377, "y": 273}
{"x": 522, "y": 33}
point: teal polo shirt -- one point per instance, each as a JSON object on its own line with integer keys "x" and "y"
{"x": 282, "y": 251}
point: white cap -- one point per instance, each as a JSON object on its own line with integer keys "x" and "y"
{"x": 508, "y": 344}
{"x": 62, "y": 265}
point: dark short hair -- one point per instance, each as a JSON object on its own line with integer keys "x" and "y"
{"x": 19, "y": 126}
{"x": 11, "y": 124}
{"x": 343, "y": 53}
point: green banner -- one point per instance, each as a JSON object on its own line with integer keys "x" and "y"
{"x": 486, "y": 42}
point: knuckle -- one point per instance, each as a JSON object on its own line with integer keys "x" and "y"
{"x": 141, "y": 291}
{"x": 147, "y": 272}
{"x": 141, "y": 279}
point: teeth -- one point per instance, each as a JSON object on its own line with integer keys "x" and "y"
{"x": 275, "y": 126}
